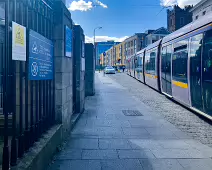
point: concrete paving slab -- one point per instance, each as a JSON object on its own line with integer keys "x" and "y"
{"x": 135, "y": 154}
{"x": 121, "y": 165}
{"x": 68, "y": 154}
{"x": 196, "y": 164}
{"x": 145, "y": 123}
{"x": 99, "y": 154}
{"x": 108, "y": 123}
{"x": 135, "y": 132}
{"x": 77, "y": 165}
{"x": 171, "y": 153}
{"x": 161, "y": 132}
{"x": 114, "y": 144}
{"x": 161, "y": 164}
{"x": 145, "y": 144}
{"x": 174, "y": 144}
{"x": 80, "y": 143}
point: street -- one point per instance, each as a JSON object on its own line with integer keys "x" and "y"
{"x": 127, "y": 125}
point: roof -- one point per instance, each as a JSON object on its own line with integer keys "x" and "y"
{"x": 136, "y": 34}
{"x": 197, "y": 5}
{"x": 141, "y": 51}
{"x": 158, "y": 31}
{"x": 188, "y": 28}
{"x": 155, "y": 44}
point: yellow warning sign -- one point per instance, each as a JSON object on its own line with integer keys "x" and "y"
{"x": 18, "y": 42}
{"x": 19, "y": 35}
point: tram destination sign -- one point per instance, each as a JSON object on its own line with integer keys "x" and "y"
{"x": 40, "y": 57}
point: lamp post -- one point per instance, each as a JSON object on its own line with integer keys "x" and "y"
{"x": 94, "y": 36}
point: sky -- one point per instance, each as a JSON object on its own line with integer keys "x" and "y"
{"x": 120, "y": 19}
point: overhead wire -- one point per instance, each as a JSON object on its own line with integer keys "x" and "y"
{"x": 163, "y": 7}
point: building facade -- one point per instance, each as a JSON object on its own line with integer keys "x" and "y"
{"x": 134, "y": 44}
{"x": 177, "y": 17}
{"x": 156, "y": 35}
{"x": 102, "y": 47}
{"x": 201, "y": 9}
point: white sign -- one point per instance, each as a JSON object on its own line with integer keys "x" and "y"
{"x": 18, "y": 42}
{"x": 83, "y": 64}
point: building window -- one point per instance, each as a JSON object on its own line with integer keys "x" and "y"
{"x": 197, "y": 17}
{"x": 204, "y": 12}
{"x": 181, "y": 21}
{"x": 171, "y": 23}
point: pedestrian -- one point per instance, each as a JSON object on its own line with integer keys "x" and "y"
{"x": 123, "y": 69}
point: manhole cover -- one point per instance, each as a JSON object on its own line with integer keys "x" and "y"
{"x": 132, "y": 113}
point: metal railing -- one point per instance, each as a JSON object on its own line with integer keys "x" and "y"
{"x": 27, "y": 104}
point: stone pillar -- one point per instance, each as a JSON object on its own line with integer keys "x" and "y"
{"x": 79, "y": 68}
{"x": 89, "y": 70}
{"x": 63, "y": 67}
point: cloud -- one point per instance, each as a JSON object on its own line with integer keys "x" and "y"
{"x": 101, "y": 4}
{"x": 104, "y": 38}
{"x": 181, "y": 3}
{"x": 82, "y": 5}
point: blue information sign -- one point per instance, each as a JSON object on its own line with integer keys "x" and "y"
{"x": 40, "y": 57}
{"x": 68, "y": 42}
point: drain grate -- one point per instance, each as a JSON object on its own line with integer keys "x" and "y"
{"x": 131, "y": 113}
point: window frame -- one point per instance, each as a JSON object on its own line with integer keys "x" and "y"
{"x": 177, "y": 49}
{"x": 148, "y": 68}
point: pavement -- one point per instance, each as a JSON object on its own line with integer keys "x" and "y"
{"x": 118, "y": 131}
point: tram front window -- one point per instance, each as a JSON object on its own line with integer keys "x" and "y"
{"x": 207, "y": 72}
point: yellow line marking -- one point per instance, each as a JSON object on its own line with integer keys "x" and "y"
{"x": 151, "y": 76}
{"x": 180, "y": 84}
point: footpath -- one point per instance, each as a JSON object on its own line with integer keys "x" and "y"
{"x": 117, "y": 132}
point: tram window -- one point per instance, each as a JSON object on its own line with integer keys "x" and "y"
{"x": 150, "y": 61}
{"x": 207, "y": 72}
{"x": 139, "y": 63}
{"x": 168, "y": 59}
{"x": 147, "y": 62}
{"x": 207, "y": 57}
{"x": 179, "y": 63}
{"x": 195, "y": 55}
{"x": 163, "y": 60}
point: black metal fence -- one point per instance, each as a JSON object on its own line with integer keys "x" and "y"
{"x": 28, "y": 106}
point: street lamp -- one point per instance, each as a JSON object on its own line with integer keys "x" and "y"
{"x": 94, "y": 36}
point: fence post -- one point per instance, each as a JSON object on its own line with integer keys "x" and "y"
{"x": 5, "y": 164}
{"x": 14, "y": 153}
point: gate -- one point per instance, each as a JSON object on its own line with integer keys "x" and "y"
{"x": 27, "y": 105}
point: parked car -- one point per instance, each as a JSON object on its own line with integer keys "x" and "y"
{"x": 109, "y": 70}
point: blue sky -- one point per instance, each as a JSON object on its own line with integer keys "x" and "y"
{"x": 120, "y": 18}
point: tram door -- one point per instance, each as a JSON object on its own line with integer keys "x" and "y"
{"x": 195, "y": 71}
{"x": 207, "y": 72}
{"x": 166, "y": 70}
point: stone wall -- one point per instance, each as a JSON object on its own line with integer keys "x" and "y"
{"x": 89, "y": 70}
{"x": 63, "y": 67}
{"x": 79, "y": 68}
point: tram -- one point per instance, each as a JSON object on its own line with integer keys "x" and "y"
{"x": 180, "y": 66}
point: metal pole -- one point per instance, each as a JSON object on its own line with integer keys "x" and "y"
{"x": 6, "y": 162}
{"x": 94, "y": 47}
{"x": 14, "y": 153}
